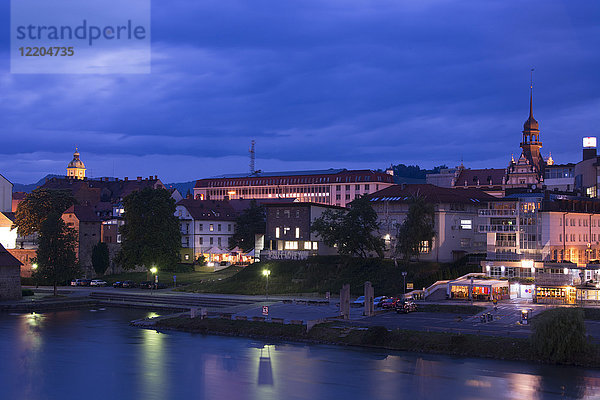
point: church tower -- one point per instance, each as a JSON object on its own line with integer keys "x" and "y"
{"x": 76, "y": 168}
{"x": 529, "y": 168}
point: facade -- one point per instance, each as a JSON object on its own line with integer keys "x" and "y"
{"x": 559, "y": 177}
{"x": 88, "y": 227}
{"x": 5, "y": 194}
{"x": 587, "y": 171}
{"x": 288, "y": 231}
{"x": 455, "y": 221}
{"x": 207, "y": 227}
{"x": 76, "y": 168}
{"x": 330, "y": 187}
{"x": 10, "y": 276}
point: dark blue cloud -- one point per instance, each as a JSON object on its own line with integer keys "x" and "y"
{"x": 340, "y": 83}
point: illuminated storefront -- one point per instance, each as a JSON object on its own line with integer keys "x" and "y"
{"x": 555, "y": 295}
{"x": 481, "y": 289}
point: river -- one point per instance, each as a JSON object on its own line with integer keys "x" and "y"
{"x": 95, "y": 354}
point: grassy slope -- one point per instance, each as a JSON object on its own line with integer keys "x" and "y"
{"x": 183, "y": 278}
{"x": 328, "y": 274}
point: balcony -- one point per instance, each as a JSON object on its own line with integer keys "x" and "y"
{"x": 497, "y": 213}
{"x": 557, "y": 280}
{"x": 497, "y": 228}
{"x": 506, "y": 243}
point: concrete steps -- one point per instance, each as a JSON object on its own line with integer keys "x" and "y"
{"x": 174, "y": 300}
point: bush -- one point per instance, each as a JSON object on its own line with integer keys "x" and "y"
{"x": 559, "y": 335}
{"x": 27, "y": 292}
{"x": 376, "y": 335}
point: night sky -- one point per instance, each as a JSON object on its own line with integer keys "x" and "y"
{"x": 317, "y": 84}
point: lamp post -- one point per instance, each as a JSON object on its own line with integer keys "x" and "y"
{"x": 154, "y": 272}
{"x": 34, "y": 268}
{"x": 404, "y": 284}
{"x": 266, "y": 273}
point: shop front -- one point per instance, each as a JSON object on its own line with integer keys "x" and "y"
{"x": 555, "y": 295}
{"x": 480, "y": 289}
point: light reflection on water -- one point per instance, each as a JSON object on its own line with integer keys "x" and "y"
{"x": 96, "y": 355}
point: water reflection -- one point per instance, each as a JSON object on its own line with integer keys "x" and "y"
{"x": 265, "y": 371}
{"x": 98, "y": 355}
{"x": 153, "y": 364}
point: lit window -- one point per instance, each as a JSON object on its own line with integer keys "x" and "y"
{"x": 297, "y": 233}
{"x": 424, "y": 247}
{"x": 466, "y": 224}
{"x": 277, "y": 233}
{"x": 307, "y": 245}
{"x": 291, "y": 245}
{"x": 211, "y": 227}
{"x": 315, "y": 245}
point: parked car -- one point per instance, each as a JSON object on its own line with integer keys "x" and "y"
{"x": 75, "y": 282}
{"x": 118, "y": 284}
{"x": 378, "y": 300}
{"x": 146, "y": 285}
{"x": 84, "y": 282}
{"x": 97, "y": 282}
{"x": 129, "y": 284}
{"x": 405, "y": 307}
{"x": 360, "y": 301}
{"x": 388, "y": 303}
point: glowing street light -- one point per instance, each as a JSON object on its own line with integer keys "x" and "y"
{"x": 154, "y": 271}
{"x": 266, "y": 274}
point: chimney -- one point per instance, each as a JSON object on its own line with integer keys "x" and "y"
{"x": 126, "y": 179}
{"x": 156, "y": 177}
{"x": 139, "y": 178}
{"x": 150, "y": 178}
{"x": 589, "y": 148}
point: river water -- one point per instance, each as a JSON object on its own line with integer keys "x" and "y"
{"x": 95, "y": 354}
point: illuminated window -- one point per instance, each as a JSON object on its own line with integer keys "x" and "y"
{"x": 286, "y": 230}
{"x": 297, "y": 233}
{"x": 211, "y": 228}
{"x": 307, "y": 245}
{"x": 466, "y": 224}
{"x": 315, "y": 245}
{"x": 424, "y": 246}
{"x": 291, "y": 245}
{"x": 277, "y": 233}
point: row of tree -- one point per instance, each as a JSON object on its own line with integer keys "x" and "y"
{"x": 150, "y": 236}
{"x": 355, "y": 232}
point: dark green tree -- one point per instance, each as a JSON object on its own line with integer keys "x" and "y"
{"x": 37, "y": 205}
{"x": 251, "y": 222}
{"x": 559, "y": 335}
{"x": 418, "y": 227}
{"x": 151, "y": 235}
{"x": 100, "y": 258}
{"x": 56, "y": 258}
{"x": 353, "y": 232}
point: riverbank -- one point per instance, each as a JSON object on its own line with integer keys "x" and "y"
{"x": 462, "y": 345}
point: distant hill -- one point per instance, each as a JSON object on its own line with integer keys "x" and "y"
{"x": 413, "y": 173}
{"x": 22, "y": 187}
{"x": 182, "y": 187}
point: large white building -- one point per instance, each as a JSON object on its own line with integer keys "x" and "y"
{"x": 336, "y": 187}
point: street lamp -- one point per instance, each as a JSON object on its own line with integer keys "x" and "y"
{"x": 404, "y": 284}
{"x": 266, "y": 273}
{"x": 154, "y": 271}
{"x": 34, "y": 268}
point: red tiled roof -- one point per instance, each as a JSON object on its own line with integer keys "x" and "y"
{"x": 432, "y": 194}
{"x": 7, "y": 259}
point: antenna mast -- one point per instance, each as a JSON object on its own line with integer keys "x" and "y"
{"x": 252, "y": 157}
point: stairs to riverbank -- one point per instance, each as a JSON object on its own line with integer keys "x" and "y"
{"x": 175, "y": 301}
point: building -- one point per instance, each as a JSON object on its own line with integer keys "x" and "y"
{"x": 586, "y": 171}
{"x": 559, "y": 177}
{"x": 5, "y": 194}
{"x": 10, "y": 276}
{"x": 88, "y": 226}
{"x": 455, "y": 221}
{"x": 76, "y": 168}
{"x": 289, "y": 232}
{"x": 207, "y": 227}
{"x": 331, "y": 187}
{"x": 527, "y": 171}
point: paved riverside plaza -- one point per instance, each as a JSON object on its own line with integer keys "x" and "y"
{"x": 310, "y": 308}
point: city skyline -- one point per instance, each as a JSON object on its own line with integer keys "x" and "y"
{"x": 317, "y": 86}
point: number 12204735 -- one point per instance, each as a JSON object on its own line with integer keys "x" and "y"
{"x": 47, "y": 51}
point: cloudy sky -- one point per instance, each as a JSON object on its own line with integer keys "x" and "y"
{"x": 317, "y": 84}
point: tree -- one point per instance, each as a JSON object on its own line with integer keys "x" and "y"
{"x": 37, "y": 205}
{"x": 151, "y": 235}
{"x": 248, "y": 224}
{"x": 56, "y": 258}
{"x": 418, "y": 227}
{"x": 352, "y": 231}
{"x": 559, "y": 335}
{"x": 100, "y": 258}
